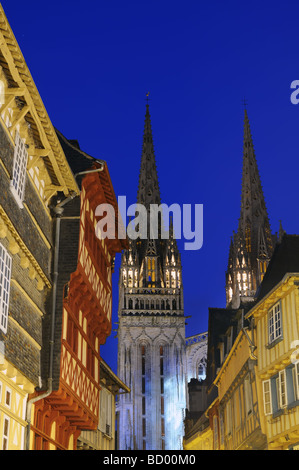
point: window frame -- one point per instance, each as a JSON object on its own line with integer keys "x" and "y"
{"x": 267, "y": 402}
{"x": 215, "y": 432}
{"x": 282, "y": 389}
{"x": 248, "y": 395}
{"x": 19, "y": 172}
{"x": 5, "y": 436}
{"x": 274, "y": 324}
{"x": 5, "y": 278}
{"x": 296, "y": 382}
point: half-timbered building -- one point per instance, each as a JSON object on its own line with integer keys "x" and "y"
{"x": 55, "y": 271}
{"x": 33, "y": 168}
{"x": 81, "y": 308}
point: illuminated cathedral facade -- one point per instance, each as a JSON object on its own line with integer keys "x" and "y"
{"x": 151, "y": 329}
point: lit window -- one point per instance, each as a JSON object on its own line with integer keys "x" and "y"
{"x": 201, "y": 372}
{"x": 130, "y": 278}
{"x": 274, "y": 323}
{"x": 151, "y": 271}
{"x": 5, "y": 274}
{"x": 167, "y": 279}
{"x": 19, "y": 170}
{"x": 125, "y": 277}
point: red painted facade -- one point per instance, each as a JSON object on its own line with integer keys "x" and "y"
{"x": 86, "y": 324}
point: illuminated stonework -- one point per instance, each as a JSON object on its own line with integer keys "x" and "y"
{"x": 252, "y": 245}
{"x": 151, "y": 331}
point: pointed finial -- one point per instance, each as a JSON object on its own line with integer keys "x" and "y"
{"x": 147, "y": 97}
{"x": 245, "y": 103}
{"x": 281, "y": 232}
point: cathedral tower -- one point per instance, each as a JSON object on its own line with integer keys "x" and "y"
{"x": 252, "y": 246}
{"x": 151, "y": 329}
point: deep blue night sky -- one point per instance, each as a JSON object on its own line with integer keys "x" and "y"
{"x": 93, "y": 63}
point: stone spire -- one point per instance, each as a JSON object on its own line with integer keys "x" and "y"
{"x": 253, "y": 208}
{"x": 151, "y": 328}
{"x": 252, "y": 245}
{"x": 148, "y": 189}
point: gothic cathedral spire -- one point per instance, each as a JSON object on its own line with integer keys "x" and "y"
{"x": 148, "y": 189}
{"x": 151, "y": 330}
{"x": 252, "y": 246}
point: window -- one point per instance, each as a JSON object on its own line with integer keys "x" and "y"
{"x": 221, "y": 428}
{"x": 248, "y": 396}
{"x": 296, "y": 380}
{"x": 237, "y": 408}
{"x": 201, "y": 371}
{"x": 281, "y": 390}
{"x": 215, "y": 429}
{"x": 267, "y": 397}
{"x": 274, "y": 323}
{"x": 8, "y": 397}
{"x": 5, "y": 437}
{"x": 228, "y": 417}
{"x": 283, "y": 401}
{"x": 19, "y": 170}
{"x": 105, "y": 421}
{"x": 5, "y": 274}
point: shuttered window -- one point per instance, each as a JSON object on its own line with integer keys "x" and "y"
{"x": 105, "y": 422}
{"x": 282, "y": 389}
{"x": 248, "y": 395}
{"x": 267, "y": 397}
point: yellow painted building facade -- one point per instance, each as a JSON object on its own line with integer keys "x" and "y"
{"x": 200, "y": 436}
{"x": 276, "y": 334}
{"x": 33, "y": 168}
{"x": 238, "y": 417}
{"x": 257, "y": 405}
{"x": 14, "y": 390}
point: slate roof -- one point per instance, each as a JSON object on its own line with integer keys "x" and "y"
{"x": 285, "y": 260}
{"x": 77, "y": 159}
